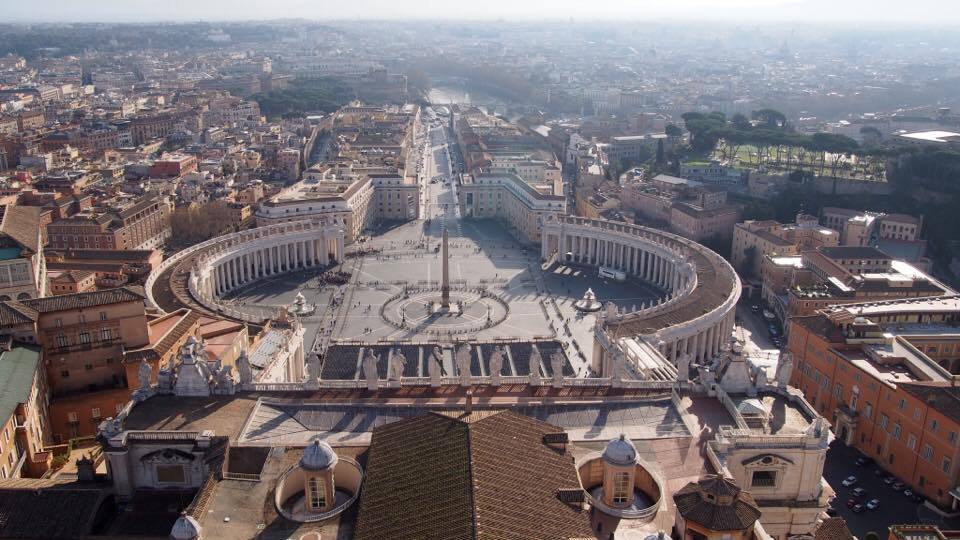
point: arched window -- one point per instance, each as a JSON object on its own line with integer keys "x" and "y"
{"x": 621, "y": 487}
{"x": 23, "y": 296}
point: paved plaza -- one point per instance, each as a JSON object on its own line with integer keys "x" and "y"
{"x": 525, "y": 301}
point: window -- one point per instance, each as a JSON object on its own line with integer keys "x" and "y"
{"x": 73, "y": 417}
{"x": 118, "y": 407}
{"x": 934, "y": 426}
{"x": 896, "y": 431}
{"x": 952, "y": 437}
{"x": 764, "y": 479}
{"x": 171, "y": 474}
{"x": 902, "y": 404}
{"x": 867, "y": 410}
{"x": 917, "y": 413}
{"x": 105, "y": 334}
{"x": 103, "y": 315}
{"x": 945, "y": 465}
{"x": 61, "y": 340}
{"x": 883, "y": 421}
{"x": 58, "y": 322}
{"x": 911, "y": 442}
{"x": 927, "y": 453}
{"x": 317, "y": 495}
{"x": 65, "y": 373}
{"x": 84, "y": 337}
{"x": 621, "y": 487}
{"x": 95, "y": 413}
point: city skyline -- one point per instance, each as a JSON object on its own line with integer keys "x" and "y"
{"x": 861, "y": 12}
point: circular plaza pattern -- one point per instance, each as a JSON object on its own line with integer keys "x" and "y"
{"x": 470, "y": 310}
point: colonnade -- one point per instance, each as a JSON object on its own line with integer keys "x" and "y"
{"x": 649, "y": 262}
{"x": 269, "y": 256}
{"x": 678, "y": 328}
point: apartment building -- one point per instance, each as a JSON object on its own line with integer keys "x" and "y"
{"x": 140, "y": 225}
{"x": 754, "y": 240}
{"x": 23, "y": 271}
{"x": 867, "y": 367}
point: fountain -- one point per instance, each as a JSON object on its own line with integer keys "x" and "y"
{"x": 588, "y": 302}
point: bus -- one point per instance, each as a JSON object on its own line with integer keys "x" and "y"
{"x": 610, "y": 273}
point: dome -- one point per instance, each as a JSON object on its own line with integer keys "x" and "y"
{"x": 185, "y": 528}
{"x": 318, "y": 456}
{"x": 620, "y": 451}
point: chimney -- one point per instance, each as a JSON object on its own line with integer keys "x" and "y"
{"x": 469, "y": 407}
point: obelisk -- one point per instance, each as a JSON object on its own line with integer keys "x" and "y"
{"x": 445, "y": 284}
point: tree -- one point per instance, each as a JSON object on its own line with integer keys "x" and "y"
{"x": 740, "y": 121}
{"x": 673, "y": 131}
{"x": 770, "y": 118}
{"x": 871, "y": 536}
{"x": 660, "y": 151}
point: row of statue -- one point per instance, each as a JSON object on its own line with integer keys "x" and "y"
{"x": 462, "y": 363}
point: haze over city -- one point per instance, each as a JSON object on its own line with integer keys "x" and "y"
{"x": 533, "y": 270}
{"x": 860, "y": 12}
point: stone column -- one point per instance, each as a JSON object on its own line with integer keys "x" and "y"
{"x": 445, "y": 284}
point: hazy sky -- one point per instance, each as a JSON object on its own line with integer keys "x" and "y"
{"x": 940, "y": 12}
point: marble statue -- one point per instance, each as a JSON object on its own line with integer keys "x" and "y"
{"x": 496, "y": 365}
{"x": 535, "y": 362}
{"x": 435, "y": 365}
{"x": 556, "y": 367}
{"x": 244, "y": 369}
{"x": 397, "y": 363}
{"x": 683, "y": 367}
{"x": 463, "y": 363}
{"x": 370, "y": 361}
{"x": 784, "y": 369}
{"x": 760, "y": 380}
{"x": 144, "y": 374}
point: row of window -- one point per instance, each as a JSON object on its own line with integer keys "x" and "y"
{"x": 95, "y": 414}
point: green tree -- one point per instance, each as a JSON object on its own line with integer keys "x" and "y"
{"x": 770, "y": 118}
{"x": 673, "y": 131}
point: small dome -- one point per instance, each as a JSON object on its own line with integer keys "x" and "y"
{"x": 620, "y": 451}
{"x": 185, "y": 528}
{"x": 318, "y": 456}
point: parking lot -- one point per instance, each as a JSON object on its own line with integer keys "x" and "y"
{"x": 894, "y": 508}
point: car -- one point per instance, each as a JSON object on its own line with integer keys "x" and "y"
{"x": 897, "y": 486}
{"x": 879, "y": 472}
{"x": 851, "y": 503}
{"x": 863, "y": 461}
{"x": 889, "y": 480}
{"x": 857, "y": 508}
{"x": 859, "y": 492}
{"x": 908, "y": 493}
{"x": 755, "y": 308}
{"x": 849, "y": 481}
{"x": 873, "y": 504}
{"x": 773, "y": 332}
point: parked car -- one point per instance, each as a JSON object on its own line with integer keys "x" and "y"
{"x": 755, "y": 308}
{"x": 851, "y": 503}
{"x": 889, "y": 480}
{"x": 849, "y": 481}
{"x": 897, "y": 486}
{"x": 873, "y": 504}
{"x": 857, "y": 508}
{"x": 863, "y": 461}
{"x": 908, "y": 493}
{"x": 859, "y": 492}
{"x": 832, "y": 512}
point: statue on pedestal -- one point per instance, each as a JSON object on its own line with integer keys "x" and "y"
{"x": 463, "y": 363}
{"x": 784, "y": 369}
{"x": 535, "y": 361}
{"x": 435, "y": 366}
{"x": 496, "y": 365}
{"x": 244, "y": 369}
{"x": 397, "y": 364}
{"x": 370, "y": 361}
{"x": 556, "y": 367}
